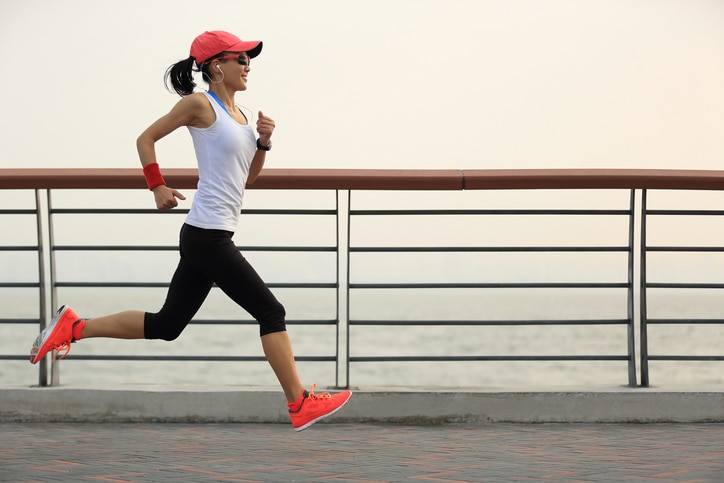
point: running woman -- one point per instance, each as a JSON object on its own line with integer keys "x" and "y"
{"x": 229, "y": 156}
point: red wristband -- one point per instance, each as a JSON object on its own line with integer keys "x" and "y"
{"x": 153, "y": 176}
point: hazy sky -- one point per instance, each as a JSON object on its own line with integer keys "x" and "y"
{"x": 379, "y": 83}
{"x": 454, "y": 84}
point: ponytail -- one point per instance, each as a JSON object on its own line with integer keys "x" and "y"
{"x": 180, "y": 77}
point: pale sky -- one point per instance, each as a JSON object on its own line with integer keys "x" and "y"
{"x": 418, "y": 84}
{"x": 380, "y": 83}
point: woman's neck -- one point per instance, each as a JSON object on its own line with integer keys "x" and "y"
{"x": 225, "y": 96}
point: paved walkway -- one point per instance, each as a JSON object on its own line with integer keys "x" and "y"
{"x": 341, "y": 452}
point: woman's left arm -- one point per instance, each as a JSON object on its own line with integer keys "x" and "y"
{"x": 265, "y": 128}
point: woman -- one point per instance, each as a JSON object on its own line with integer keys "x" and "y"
{"x": 229, "y": 156}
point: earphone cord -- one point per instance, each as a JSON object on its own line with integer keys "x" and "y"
{"x": 209, "y": 77}
{"x": 219, "y": 81}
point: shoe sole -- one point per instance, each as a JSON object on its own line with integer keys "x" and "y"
{"x": 302, "y": 428}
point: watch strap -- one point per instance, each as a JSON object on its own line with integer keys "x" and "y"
{"x": 262, "y": 147}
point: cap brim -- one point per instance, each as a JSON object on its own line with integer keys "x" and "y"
{"x": 251, "y": 47}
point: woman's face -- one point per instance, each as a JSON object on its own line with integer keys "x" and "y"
{"x": 235, "y": 66}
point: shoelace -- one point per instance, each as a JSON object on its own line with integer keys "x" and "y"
{"x": 61, "y": 351}
{"x": 313, "y": 396}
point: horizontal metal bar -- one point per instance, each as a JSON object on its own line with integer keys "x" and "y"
{"x": 165, "y": 285}
{"x": 148, "y": 211}
{"x": 487, "y": 285}
{"x": 686, "y": 212}
{"x": 326, "y": 212}
{"x": 486, "y": 249}
{"x": 686, "y": 358}
{"x": 303, "y": 285}
{"x": 686, "y": 321}
{"x": 138, "y": 248}
{"x": 254, "y": 322}
{"x": 112, "y": 284}
{"x": 684, "y": 249}
{"x": 199, "y": 358}
{"x": 486, "y": 212}
{"x": 19, "y": 248}
{"x": 116, "y": 211}
{"x": 487, "y": 322}
{"x": 683, "y": 285}
{"x": 114, "y": 248}
{"x": 18, "y": 212}
{"x": 485, "y": 358}
{"x": 20, "y": 285}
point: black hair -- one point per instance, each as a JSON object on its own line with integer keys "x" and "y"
{"x": 180, "y": 76}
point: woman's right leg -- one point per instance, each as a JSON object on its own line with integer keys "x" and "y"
{"x": 123, "y": 325}
{"x": 188, "y": 289}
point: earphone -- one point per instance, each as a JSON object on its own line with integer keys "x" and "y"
{"x": 222, "y": 76}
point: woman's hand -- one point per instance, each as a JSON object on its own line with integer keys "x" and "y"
{"x": 166, "y": 197}
{"x": 265, "y": 128}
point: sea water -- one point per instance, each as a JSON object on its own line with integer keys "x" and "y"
{"x": 441, "y": 340}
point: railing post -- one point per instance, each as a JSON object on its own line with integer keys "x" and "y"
{"x": 642, "y": 297}
{"x": 339, "y": 294}
{"x": 630, "y": 300}
{"x": 55, "y": 366}
{"x": 43, "y": 364}
{"x": 347, "y": 282}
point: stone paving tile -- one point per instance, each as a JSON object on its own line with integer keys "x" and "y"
{"x": 368, "y": 453}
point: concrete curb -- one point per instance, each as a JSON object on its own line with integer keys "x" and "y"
{"x": 238, "y": 404}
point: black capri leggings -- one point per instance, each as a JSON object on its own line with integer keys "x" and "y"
{"x": 208, "y": 257}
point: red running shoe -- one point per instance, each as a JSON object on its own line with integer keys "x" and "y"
{"x": 311, "y": 407}
{"x": 56, "y": 336}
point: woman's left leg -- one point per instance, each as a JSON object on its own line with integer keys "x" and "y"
{"x": 278, "y": 351}
{"x": 237, "y": 279}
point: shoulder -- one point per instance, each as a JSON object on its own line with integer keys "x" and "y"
{"x": 197, "y": 100}
{"x": 195, "y": 110}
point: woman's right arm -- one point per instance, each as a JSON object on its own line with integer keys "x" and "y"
{"x": 189, "y": 111}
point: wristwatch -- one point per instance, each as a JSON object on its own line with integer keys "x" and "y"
{"x": 263, "y": 148}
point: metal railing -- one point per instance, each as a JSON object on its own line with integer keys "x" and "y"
{"x": 647, "y": 286}
{"x": 353, "y": 256}
{"x": 57, "y": 280}
{"x": 625, "y": 282}
{"x": 38, "y": 284}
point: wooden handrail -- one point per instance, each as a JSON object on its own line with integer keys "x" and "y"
{"x": 595, "y": 179}
{"x": 379, "y": 179}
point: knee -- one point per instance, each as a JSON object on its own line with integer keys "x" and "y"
{"x": 272, "y": 319}
{"x": 156, "y": 326}
{"x": 169, "y": 335}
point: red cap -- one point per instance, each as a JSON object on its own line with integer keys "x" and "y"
{"x": 214, "y": 42}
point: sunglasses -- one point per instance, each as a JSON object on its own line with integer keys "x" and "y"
{"x": 242, "y": 59}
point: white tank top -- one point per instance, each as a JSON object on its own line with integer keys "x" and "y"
{"x": 224, "y": 152}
